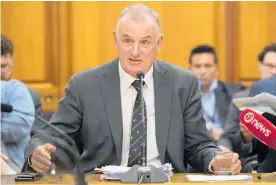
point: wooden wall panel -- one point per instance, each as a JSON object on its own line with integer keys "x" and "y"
{"x": 255, "y": 28}
{"x": 28, "y": 35}
{"x": 187, "y": 24}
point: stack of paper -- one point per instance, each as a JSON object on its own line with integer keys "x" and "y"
{"x": 219, "y": 178}
{"x": 263, "y": 102}
{"x": 115, "y": 172}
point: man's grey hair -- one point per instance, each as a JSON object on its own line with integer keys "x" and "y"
{"x": 139, "y": 11}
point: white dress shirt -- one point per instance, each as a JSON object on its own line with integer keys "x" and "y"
{"x": 128, "y": 97}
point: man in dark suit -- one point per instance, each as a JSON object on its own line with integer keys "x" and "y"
{"x": 216, "y": 95}
{"x": 104, "y": 105}
{"x": 235, "y": 134}
{"x": 38, "y": 110}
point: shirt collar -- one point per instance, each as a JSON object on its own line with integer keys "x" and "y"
{"x": 126, "y": 79}
{"x": 213, "y": 86}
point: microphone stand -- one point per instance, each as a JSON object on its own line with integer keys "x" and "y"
{"x": 143, "y": 174}
{"x": 80, "y": 175}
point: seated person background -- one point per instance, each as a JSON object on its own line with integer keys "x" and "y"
{"x": 7, "y": 51}
{"x": 15, "y": 127}
{"x": 268, "y": 164}
{"x": 215, "y": 95}
{"x": 233, "y": 131}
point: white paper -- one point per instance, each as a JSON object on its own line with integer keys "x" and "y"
{"x": 263, "y": 102}
{"x": 219, "y": 178}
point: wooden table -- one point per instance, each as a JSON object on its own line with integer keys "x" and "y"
{"x": 93, "y": 179}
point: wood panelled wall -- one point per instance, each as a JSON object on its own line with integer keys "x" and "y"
{"x": 54, "y": 40}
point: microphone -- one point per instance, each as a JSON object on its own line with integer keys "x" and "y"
{"x": 80, "y": 176}
{"x": 270, "y": 117}
{"x": 6, "y": 108}
{"x": 260, "y": 127}
{"x": 143, "y": 174}
{"x": 140, "y": 75}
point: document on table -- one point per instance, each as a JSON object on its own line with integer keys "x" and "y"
{"x": 219, "y": 178}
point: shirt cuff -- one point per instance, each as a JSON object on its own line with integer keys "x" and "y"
{"x": 210, "y": 168}
{"x": 29, "y": 159}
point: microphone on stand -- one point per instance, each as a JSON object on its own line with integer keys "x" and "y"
{"x": 80, "y": 176}
{"x": 143, "y": 174}
{"x": 140, "y": 76}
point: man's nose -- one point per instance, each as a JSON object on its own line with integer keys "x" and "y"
{"x": 202, "y": 70}
{"x": 135, "y": 51}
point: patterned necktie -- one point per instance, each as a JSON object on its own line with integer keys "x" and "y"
{"x": 137, "y": 135}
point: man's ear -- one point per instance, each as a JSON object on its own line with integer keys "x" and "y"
{"x": 160, "y": 42}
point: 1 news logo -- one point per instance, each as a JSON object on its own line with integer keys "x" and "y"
{"x": 249, "y": 117}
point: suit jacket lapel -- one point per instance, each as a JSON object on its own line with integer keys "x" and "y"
{"x": 112, "y": 99}
{"x": 162, "y": 94}
{"x": 221, "y": 103}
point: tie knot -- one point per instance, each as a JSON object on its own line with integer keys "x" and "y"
{"x": 136, "y": 84}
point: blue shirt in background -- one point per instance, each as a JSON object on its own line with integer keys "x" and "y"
{"x": 16, "y": 127}
{"x": 209, "y": 106}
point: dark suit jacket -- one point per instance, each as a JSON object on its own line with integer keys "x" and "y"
{"x": 269, "y": 162}
{"x": 224, "y": 94}
{"x": 38, "y": 110}
{"x": 92, "y": 105}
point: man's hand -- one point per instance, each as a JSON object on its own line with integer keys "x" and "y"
{"x": 41, "y": 158}
{"x": 247, "y": 136}
{"x": 216, "y": 133}
{"x": 235, "y": 167}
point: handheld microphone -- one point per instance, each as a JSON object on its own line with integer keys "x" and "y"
{"x": 143, "y": 174}
{"x": 259, "y": 126}
{"x": 80, "y": 176}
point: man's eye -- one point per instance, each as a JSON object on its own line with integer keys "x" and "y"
{"x": 127, "y": 41}
{"x": 144, "y": 42}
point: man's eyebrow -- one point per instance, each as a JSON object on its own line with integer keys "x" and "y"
{"x": 125, "y": 35}
{"x": 147, "y": 37}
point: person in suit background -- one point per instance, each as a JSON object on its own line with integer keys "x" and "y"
{"x": 7, "y": 63}
{"x": 216, "y": 95}
{"x": 235, "y": 133}
{"x": 103, "y": 104}
{"x": 268, "y": 164}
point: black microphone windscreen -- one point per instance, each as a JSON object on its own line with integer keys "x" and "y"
{"x": 140, "y": 74}
{"x": 270, "y": 117}
{"x": 6, "y": 108}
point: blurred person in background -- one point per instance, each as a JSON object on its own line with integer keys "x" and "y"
{"x": 215, "y": 95}
{"x": 268, "y": 164}
{"x": 7, "y": 62}
{"x": 235, "y": 133}
{"x": 15, "y": 127}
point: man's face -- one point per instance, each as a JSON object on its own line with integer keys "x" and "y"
{"x": 137, "y": 44}
{"x": 268, "y": 66}
{"x": 204, "y": 67}
{"x": 6, "y": 67}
